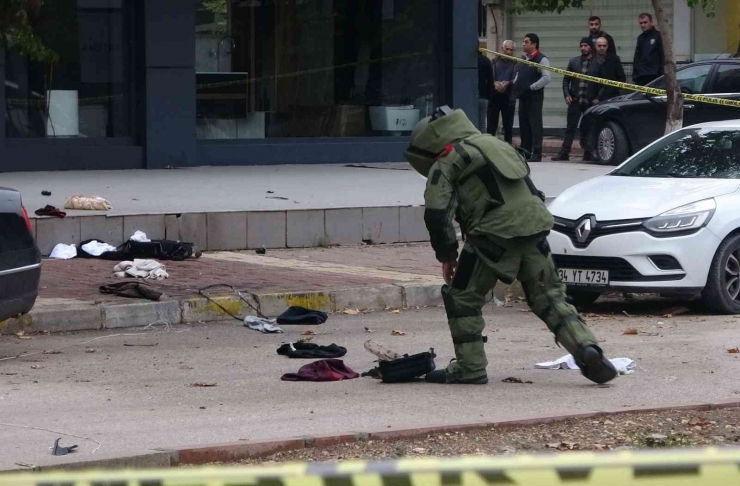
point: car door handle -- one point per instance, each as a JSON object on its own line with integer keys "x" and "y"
{"x": 688, "y": 107}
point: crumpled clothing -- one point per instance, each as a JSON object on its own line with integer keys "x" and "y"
{"x": 624, "y": 366}
{"x": 140, "y": 236}
{"x": 380, "y": 351}
{"x": 134, "y": 290}
{"x": 266, "y": 326}
{"x": 311, "y": 351}
{"x": 88, "y": 203}
{"x": 64, "y": 252}
{"x": 323, "y": 370}
{"x": 146, "y": 269}
{"x": 301, "y": 315}
{"x": 50, "y": 210}
{"x": 97, "y": 248}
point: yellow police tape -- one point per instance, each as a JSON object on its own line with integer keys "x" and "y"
{"x": 707, "y": 467}
{"x": 616, "y": 84}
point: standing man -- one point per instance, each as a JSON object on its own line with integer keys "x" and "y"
{"x": 594, "y": 32}
{"x": 503, "y": 97}
{"x": 529, "y": 83}
{"x": 575, "y": 92}
{"x": 609, "y": 67}
{"x": 649, "y": 59}
{"x": 484, "y": 184}
{"x": 485, "y": 83}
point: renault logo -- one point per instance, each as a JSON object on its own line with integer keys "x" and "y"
{"x": 583, "y": 230}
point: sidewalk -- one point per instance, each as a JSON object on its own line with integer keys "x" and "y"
{"x": 372, "y": 277}
{"x": 237, "y": 208}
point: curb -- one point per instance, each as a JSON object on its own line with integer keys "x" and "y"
{"x": 89, "y": 316}
{"x": 234, "y": 451}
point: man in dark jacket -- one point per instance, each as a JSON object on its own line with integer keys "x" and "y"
{"x": 503, "y": 96}
{"x": 594, "y": 32}
{"x": 575, "y": 92}
{"x": 649, "y": 57}
{"x": 609, "y": 67}
{"x": 529, "y": 83}
{"x": 485, "y": 84}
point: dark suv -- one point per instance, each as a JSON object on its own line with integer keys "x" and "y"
{"x": 619, "y": 127}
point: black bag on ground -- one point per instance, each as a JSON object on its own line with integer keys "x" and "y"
{"x": 407, "y": 368}
{"x": 159, "y": 250}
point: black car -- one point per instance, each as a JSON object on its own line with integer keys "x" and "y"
{"x": 20, "y": 260}
{"x": 619, "y": 127}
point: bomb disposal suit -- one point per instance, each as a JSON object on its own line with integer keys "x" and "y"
{"x": 484, "y": 184}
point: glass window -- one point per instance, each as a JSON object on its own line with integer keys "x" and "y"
{"x": 728, "y": 79}
{"x": 315, "y": 68}
{"x": 689, "y": 153}
{"x": 691, "y": 79}
{"x": 85, "y": 94}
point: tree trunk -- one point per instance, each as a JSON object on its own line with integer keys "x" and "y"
{"x": 674, "y": 105}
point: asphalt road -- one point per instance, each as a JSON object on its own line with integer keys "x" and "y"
{"x": 130, "y": 393}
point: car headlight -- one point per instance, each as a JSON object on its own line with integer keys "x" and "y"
{"x": 689, "y": 217}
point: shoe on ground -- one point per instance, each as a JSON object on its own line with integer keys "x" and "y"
{"x": 588, "y": 157}
{"x": 440, "y": 377}
{"x": 596, "y": 367}
{"x": 561, "y": 157}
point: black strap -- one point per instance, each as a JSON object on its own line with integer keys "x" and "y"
{"x": 531, "y": 187}
{"x": 462, "y": 153}
{"x": 469, "y": 338}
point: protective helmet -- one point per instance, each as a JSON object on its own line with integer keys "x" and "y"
{"x": 432, "y": 134}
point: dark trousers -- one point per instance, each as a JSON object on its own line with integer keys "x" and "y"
{"x": 503, "y": 106}
{"x": 530, "y": 122}
{"x": 644, "y": 79}
{"x": 575, "y": 111}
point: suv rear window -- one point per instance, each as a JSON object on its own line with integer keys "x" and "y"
{"x": 689, "y": 153}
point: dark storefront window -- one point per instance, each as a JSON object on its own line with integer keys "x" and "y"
{"x": 315, "y": 68}
{"x": 85, "y": 95}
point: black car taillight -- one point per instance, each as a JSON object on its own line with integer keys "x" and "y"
{"x": 28, "y": 221}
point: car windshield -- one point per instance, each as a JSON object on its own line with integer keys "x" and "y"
{"x": 689, "y": 153}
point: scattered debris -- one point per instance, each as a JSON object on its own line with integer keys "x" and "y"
{"x": 141, "y": 345}
{"x": 396, "y": 311}
{"x": 627, "y": 314}
{"x": 36, "y": 367}
{"x": 381, "y": 351}
{"x": 676, "y": 311}
{"x": 350, "y": 312}
{"x": 564, "y": 446}
{"x": 630, "y": 331}
{"x": 199, "y": 384}
{"x": 46, "y": 193}
{"x": 277, "y": 197}
{"x": 25, "y": 464}
{"x": 367, "y": 329}
{"x": 512, "y": 379}
{"x": 656, "y": 440}
{"x": 261, "y": 251}
{"x": 396, "y": 332}
{"x": 734, "y": 350}
{"x": 270, "y": 192}
{"x": 91, "y": 350}
{"x": 309, "y": 333}
{"x": 306, "y": 339}
{"x": 185, "y": 367}
{"x": 21, "y": 335}
{"x": 52, "y": 351}
{"x": 58, "y": 450}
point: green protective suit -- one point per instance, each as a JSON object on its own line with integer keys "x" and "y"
{"x": 484, "y": 184}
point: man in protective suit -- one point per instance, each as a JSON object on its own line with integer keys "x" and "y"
{"x": 484, "y": 184}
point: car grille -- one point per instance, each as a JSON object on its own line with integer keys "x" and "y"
{"x": 620, "y": 270}
{"x": 568, "y": 227}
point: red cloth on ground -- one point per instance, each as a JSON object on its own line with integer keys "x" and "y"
{"x": 322, "y": 370}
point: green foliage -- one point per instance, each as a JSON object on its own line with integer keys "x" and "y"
{"x": 16, "y": 31}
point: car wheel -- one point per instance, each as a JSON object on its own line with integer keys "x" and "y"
{"x": 722, "y": 293}
{"x": 612, "y": 145}
{"x": 582, "y": 298}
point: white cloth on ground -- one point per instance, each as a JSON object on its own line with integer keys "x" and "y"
{"x": 64, "y": 252}
{"x": 140, "y": 236}
{"x": 147, "y": 269}
{"x": 90, "y": 203}
{"x": 624, "y": 366}
{"x": 97, "y": 248}
{"x": 263, "y": 325}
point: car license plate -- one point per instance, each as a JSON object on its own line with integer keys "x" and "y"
{"x": 572, "y": 276}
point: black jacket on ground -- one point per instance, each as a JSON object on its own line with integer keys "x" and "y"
{"x": 608, "y": 68}
{"x": 570, "y": 84}
{"x": 485, "y": 76}
{"x": 610, "y": 39}
{"x": 649, "y": 56}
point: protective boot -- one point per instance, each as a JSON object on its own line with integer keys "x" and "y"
{"x": 595, "y": 366}
{"x": 440, "y": 377}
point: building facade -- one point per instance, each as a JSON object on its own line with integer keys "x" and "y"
{"x": 180, "y": 83}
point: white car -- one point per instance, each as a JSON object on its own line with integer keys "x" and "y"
{"x": 667, "y": 220}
